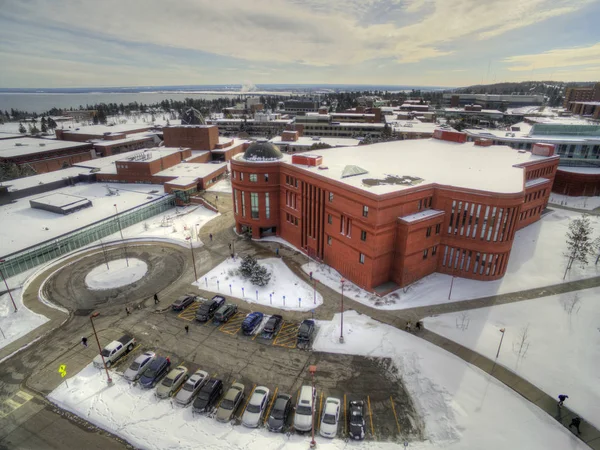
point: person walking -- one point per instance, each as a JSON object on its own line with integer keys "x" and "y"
{"x": 187, "y": 329}
{"x": 561, "y": 399}
{"x": 418, "y": 325}
{"x": 210, "y": 237}
{"x": 127, "y": 310}
{"x": 84, "y": 341}
{"x": 156, "y": 300}
{"x": 575, "y": 422}
{"x": 408, "y": 326}
{"x": 230, "y": 246}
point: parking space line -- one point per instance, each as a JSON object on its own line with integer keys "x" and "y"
{"x": 370, "y": 415}
{"x": 395, "y": 415}
{"x": 287, "y": 335}
{"x": 248, "y": 400}
{"x": 270, "y": 405}
{"x": 189, "y": 313}
{"x": 345, "y": 418}
{"x": 233, "y": 325}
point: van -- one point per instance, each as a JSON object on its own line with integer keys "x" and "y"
{"x": 304, "y": 406}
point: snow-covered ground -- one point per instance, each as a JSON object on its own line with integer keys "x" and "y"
{"x": 462, "y": 407}
{"x": 116, "y": 273}
{"x": 588, "y": 203}
{"x": 221, "y": 186}
{"x": 560, "y": 352}
{"x": 285, "y": 290}
{"x": 537, "y": 259}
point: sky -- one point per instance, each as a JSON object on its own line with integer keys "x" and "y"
{"x": 75, "y": 43}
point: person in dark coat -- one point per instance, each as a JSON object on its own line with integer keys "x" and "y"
{"x": 156, "y": 300}
{"x": 575, "y": 422}
{"x": 187, "y": 329}
{"x": 84, "y": 341}
{"x": 561, "y": 399}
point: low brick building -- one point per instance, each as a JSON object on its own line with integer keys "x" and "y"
{"x": 386, "y": 215}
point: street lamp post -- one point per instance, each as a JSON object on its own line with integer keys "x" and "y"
{"x": 502, "y": 330}
{"x": 197, "y": 232}
{"x": 193, "y": 257}
{"x": 121, "y": 231}
{"x": 7, "y": 288}
{"x": 342, "y": 314}
{"x": 315, "y": 291}
{"x": 108, "y": 378}
{"x": 451, "y": 284}
{"x": 312, "y": 369}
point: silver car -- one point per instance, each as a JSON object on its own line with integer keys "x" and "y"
{"x": 174, "y": 379}
{"x": 230, "y": 402}
{"x": 137, "y": 367}
{"x": 331, "y": 417}
{"x": 191, "y": 387}
{"x": 256, "y": 407}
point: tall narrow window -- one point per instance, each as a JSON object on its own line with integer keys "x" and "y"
{"x": 241, "y": 176}
{"x": 233, "y": 174}
{"x": 428, "y": 232}
{"x": 243, "y": 203}
{"x": 331, "y": 196}
{"x": 363, "y": 235}
{"x": 328, "y": 240}
{"x": 438, "y": 228}
{"x": 361, "y": 258}
{"x": 267, "y": 206}
{"x": 365, "y": 211}
{"x": 433, "y": 250}
{"x": 425, "y": 252}
{"x": 254, "y": 205}
{"x": 329, "y": 219}
{"x": 235, "y": 199}
{"x": 266, "y": 177}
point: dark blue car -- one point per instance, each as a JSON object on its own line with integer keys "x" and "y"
{"x": 155, "y": 371}
{"x": 251, "y": 321}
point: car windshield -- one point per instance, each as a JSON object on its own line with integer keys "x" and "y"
{"x": 134, "y": 366}
{"x": 150, "y": 373}
{"x": 356, "y": 417}
{"x": 227, "y": 404}
{"x": 253, "y": 408}
{"x": 204, "y": 308}
{"x": 167, "y": 382}
{"x": 278, "y": 413}
{"x": 329, "y": 418}
{"x": 303, "y": 410}
{"x": 188, "y": 387}
{"x": 105, "y": 353}
{"x": 204, "y": 395}
{"x": 303, "y": 329}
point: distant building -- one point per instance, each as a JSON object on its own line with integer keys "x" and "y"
{"x": 581, "y": 94}
{"x": 326, "y": 125}
{"x": 493, "y": 101}
{"x": 589, "y": 109}
{"x": 81, "y": 114}
{"x": 295, "y": 106}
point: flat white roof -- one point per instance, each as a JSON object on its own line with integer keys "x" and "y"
{"x": 99, "y": 163}
{"x": 60, "y": 200}
{"x": 434, "y": 161}
{"x": 197, "y": 170}
{"x": 236, "y": 142}
{"x": 10, "y": 148}
{"x": 44, "y": 178}
{"x": 101, "y": 129}
{"x": 9, "y": 135}
{"x": 586, "y": 170}
{"x": 427, "y": 214}
{"x": 307, "y": 141}
{"x": 149, "y": 154}
{"x": 130, "y": 138}
{"x": 535, "y": 182}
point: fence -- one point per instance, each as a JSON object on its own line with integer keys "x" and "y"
{"x": 31, "y": 257}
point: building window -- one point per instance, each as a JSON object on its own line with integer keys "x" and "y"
{"x": 433, "y": 250}
{"x": 438, "y": 228}
{"x": 425, "y": 252}
{"x": 296, "y": 182}
{"x": 235, "y": 199}
{"x": 363, "y": 235}
{"x": 420, "y": 206}
{"x": 267, "y": 206}
{"x": 253, "y": 178}
{"x": 331, "y": 196}
{"x": 329, "y": 219}
{"x": 361, "y": 258}
{"x": 328, "y": 240}
{"x": 243, "y": 202}
{"x": 254, "y": 205}
{"x": 428, "y": 232}
{"x": 233, "y": 174}
{"x": 365, "y": 211}
{"x": 266, "y": 177}
{"x": 241, "y": 176}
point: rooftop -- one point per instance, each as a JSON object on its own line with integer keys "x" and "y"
{"x": 44, "y": 178}
{"x": 101, "y": 129}
{"x": 308, "y": 141}
{"x": 10, "y": 148}
{"x": 196, "y": 170}
{"x": 99, "y": 163}
{"x": 130, "y": 138}
{"x": 398, "y": 165}
{"x": 584, "y": 170}
{"x": 149, "y": 154}
{"x": 61, "y": 200}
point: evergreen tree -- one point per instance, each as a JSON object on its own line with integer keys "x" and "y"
{"x": 22, "y": 129}
{"x": 248, "y": 265}
{"x": 95, "y": 119}
{"x": 44, "y": 125}
{"x": 260, "y": 276}
{"x": 51, "y": 123}
{"x": 101, "y": 116}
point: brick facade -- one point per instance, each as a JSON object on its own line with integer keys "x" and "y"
{"x": 577, "y": 184}
{"x": 196, "y": 137}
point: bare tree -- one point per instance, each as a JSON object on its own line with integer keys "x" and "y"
{"x": 521, "y": 343}
{"x": 572, "y": 304}
{"x": 579, "y": 242}
{"x": 463, "y": 321}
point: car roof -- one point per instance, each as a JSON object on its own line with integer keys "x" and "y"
{"x": 210, "y": 384}
{"x": 254, "y": 314}
{"x": 176, "y": 371}
{"x": 331, "y": 404}
{"x": 283, "y": 396}
{"x": 275, "y": 316}
{"x": 232, "y": 393}
{"x": 143, "y": 357}
{"x": 197, "y": 375}
{"x": 239, "y": 386}
{"x": 261, "y": 390}
{"x": 308, "y": 322}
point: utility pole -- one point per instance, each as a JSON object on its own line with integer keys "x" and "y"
{"x": 108, "y": 378}
{"x": 7, "y": 288}
{"x": 104, "y": 253}
{"x": 312, "y": 369}
{"x": 193, "y": 257}
{"x": 121, "y": 231}
{"x": 502, "y": 330}
{"x": 342, "y": 314}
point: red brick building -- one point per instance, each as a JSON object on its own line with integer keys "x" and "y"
{"x": 577, "y": 181}
{"x": 581, "y": 94}
{"x": 384, "y": 216}
{"x": 203, "y": 137}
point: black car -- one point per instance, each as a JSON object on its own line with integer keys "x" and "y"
{"x": 183, "y": 302}
{"x": 272, "y": 325}
{"x": 305, "y": 332}
{"x": 356, "y": 420}
{"x": 225, "y": 312}
{"x": 208, "y": 309}
{"x": 208, "y": 395}
{"x": 279, "y": 413}
{"x": 155, "y": 372}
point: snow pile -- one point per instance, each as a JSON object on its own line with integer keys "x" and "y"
{"x": 120, "y": 272}
{"x": 537, "y": 259}
{"x": 285, "y": 290}
{"x": 560, "y": 352}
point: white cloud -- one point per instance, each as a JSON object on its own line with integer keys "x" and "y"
{"x": 556, "y": 58}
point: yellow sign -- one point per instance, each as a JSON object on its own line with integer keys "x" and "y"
{"x": 62, "y": 369}
{"x": 63, "y": 374}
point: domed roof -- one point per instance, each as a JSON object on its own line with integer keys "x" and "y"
{"x": 262, "y": 151}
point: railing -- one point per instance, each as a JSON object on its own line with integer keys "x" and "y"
{"x": 38, "y": 254}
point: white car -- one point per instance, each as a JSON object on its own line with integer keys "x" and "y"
{"x": 137, "y": 367}
{"x": 256, "y": 407}
{"x": 191, "y": 387}
{"x": 331, "y": 417}
{"x": 303, "y": 413}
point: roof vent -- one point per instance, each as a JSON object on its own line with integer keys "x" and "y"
{"x": 350, "y": 171}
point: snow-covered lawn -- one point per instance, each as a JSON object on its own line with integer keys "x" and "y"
{"x": 461, "y": 406}
{"x": 537, "y": 259}
{"x": 285, "y": 290}
{"x": 561, "y": 352}
{"x": 117, "y": 273}
{"x": 223, "y": 185}
{"x": 588, "y": 203}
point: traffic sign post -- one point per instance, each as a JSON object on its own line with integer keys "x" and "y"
{"x": 62, "y": 369}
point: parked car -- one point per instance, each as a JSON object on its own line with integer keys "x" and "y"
{"x": 251, "y": 321}
{"x": 304, "y": 406}
{"x": 183, "y": 302}
{"x": 207, "y": 309}
{"x": 225, "y": 312}
{"x": 191, "y": 387}
{"x": 256, "y": 407}
{"x": 113, "y": 351}
{"x": 208, "y": 395}
{"x": 280, "y": 412}
{"x": 305, "y": 332}
{"x": 174, "y": 379}
{"x": 138, "y": 366}
{"x": 330, "y": 418}
{"x": 155, "y": 371}
{"x": 230, "y": 403}
{"x": 272, "y": 326}
{"x": 356, "y": 420}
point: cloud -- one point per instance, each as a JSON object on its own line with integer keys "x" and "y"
{"x": 556, "y": 58}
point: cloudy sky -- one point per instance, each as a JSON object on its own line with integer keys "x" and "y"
{"x": 77, "y": 43}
